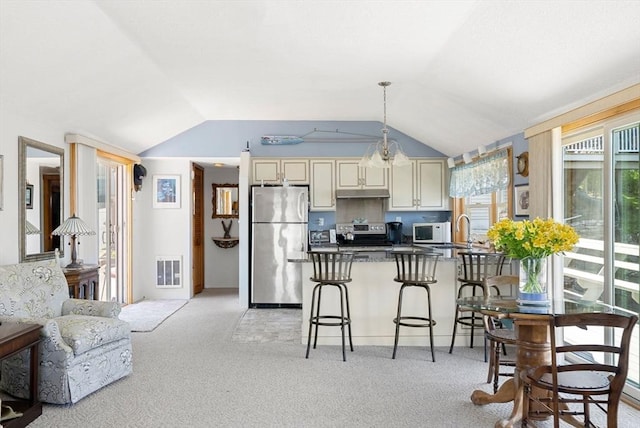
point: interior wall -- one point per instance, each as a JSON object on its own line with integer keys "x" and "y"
{"x": 162, "y": 232}
{"x": 221, "y": 264}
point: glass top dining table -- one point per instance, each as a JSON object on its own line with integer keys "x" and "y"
{"x": 509, "y": 305}
{"x": 533, "y": 347}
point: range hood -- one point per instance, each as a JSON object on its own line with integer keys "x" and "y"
{"x": 362, "y": 193}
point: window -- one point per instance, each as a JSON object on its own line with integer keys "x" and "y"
{"x": 484, "y": 210}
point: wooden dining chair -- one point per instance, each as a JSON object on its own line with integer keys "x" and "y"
{"x": 499, "y": 333}
{"x": 597, "y": 377}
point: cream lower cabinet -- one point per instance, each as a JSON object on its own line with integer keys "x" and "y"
{"x": 274, "y": 171}
{"x": 350, "y": 175}
{"x": 419, "y": 186}
{"x": 322, "y": 189}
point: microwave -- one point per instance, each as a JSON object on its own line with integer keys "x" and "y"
{"x": 431, "y": 233}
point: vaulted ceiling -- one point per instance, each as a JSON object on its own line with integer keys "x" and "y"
{"x": 134, "y": 73}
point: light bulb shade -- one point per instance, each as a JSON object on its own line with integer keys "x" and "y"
{"x": 400, "y": 159}
{"x": 466, "y": 157}
{"x": 482, "y": 150}
{"x": 451, "y": 162}
{"x": 73, "y": 226}
{"x": 377, "y": 161}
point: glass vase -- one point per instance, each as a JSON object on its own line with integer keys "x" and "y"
{"x": 533, "y": 281}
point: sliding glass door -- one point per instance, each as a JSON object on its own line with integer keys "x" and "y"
{"x": 602, "y": 201}
{"x": 111, "y": 225}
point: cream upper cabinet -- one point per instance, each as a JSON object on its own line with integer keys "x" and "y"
{"x": 274, "y": 171}
{"x": 419, "y": 186}
{"x": 349, "y": 175}
{"x": 322, "y": 189}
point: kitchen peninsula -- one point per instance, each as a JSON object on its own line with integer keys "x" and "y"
{"x": 373, "y": 297}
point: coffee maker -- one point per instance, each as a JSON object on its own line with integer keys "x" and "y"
{"x": 394, "y": 232}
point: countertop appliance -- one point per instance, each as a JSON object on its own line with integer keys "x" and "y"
{"x": 394, "y": 232}
{"x": 279, "y": 227}
{"x": 362, "y": 234}
{"x": 432, "y": 233}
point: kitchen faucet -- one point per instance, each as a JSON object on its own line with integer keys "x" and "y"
{"x": 461, "y": 216}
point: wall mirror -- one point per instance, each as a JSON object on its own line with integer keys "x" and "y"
{"x": 225, "y": 201}
{"x": 41, "y": 184}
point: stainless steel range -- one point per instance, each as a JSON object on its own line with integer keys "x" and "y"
{"x": 362, "y": 234}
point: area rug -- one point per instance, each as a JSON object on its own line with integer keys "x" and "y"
{"x": 146, "y": 315}
{"x": 269, "y": 325}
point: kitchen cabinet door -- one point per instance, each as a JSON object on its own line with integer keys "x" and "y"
{"x": 419, "y": 186}
{"x": 267, "y": 171}
{"x": 296, "y": 171}
{"x": 274, "y": 171}
{"x": 349, "y": 175}
{"x": 322, "y": 185}
{"x": 432, "y": 194}
{"x": 403, "y": 190}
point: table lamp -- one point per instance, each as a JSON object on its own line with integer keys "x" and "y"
{"x": 73, "y": 227}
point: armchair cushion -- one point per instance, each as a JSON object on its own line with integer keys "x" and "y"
{"x": 83, "y": 333}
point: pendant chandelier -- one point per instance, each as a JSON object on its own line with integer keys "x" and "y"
{"x": 384, "y": 154}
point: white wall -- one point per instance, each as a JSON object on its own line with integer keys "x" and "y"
{"x": 221, "y": 265}
{"x": 11, "y": 127}
{"x": 162, "y": 232}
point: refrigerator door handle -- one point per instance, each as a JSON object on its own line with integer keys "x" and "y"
{"x": 301, "y": 205}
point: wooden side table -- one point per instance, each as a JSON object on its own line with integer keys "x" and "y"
{"x": 83, "y": 282}
{"x": 15, "y": 338}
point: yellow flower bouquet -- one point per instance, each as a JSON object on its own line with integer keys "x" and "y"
{"x": 532, "y": 241}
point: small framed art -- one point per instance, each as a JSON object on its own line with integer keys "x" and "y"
{"x": 28, "y": 196}
{"x": 166, "y": 191}
{"x": 521, "y": 199}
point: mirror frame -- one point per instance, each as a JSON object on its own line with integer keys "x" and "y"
{"x": 214, "y": 194}
{"x": 23, "y": 143}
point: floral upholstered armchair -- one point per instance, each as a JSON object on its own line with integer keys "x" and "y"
{"x": 84, "y": 345}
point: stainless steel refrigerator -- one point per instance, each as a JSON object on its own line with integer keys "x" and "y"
{"x": 279, "y": 222}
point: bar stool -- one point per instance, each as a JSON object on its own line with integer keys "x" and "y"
{"x": 330, "y": 268}
{"x": 415, "y": 269}
{"x": 476, "y": 267}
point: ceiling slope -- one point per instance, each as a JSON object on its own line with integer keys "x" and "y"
{"x": 135, "y": 73}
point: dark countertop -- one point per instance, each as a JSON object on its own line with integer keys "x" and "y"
{"x": 383, "y": 254}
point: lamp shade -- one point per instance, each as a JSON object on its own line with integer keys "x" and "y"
{"x": 30, "y": 229}
{"x": 73, "y": 226}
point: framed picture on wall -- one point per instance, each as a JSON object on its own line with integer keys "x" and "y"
{"x": 166, "y": 191}
{"x": 521, "y": 199}
{"x": 29, "y": 196}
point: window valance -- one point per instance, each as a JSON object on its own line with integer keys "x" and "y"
{"x": 482, "y": 176}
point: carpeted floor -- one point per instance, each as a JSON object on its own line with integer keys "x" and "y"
{"x": 189, "y": 372}
{"x": 146, "y": 315}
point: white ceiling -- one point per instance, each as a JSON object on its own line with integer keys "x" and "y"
{"x": 134, "y": 73}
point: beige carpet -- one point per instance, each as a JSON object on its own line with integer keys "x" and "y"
{"x": 146, "y": 315}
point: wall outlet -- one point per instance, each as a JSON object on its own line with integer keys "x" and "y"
{"x": 398, "y": 218}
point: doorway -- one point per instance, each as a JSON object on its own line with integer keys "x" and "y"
{"x": 197, "y": 224}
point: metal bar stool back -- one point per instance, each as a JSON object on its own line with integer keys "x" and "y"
{"x": 476, "y": 267}
{"x": 333, "y": 269}
{"x": 415, "y": 269}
